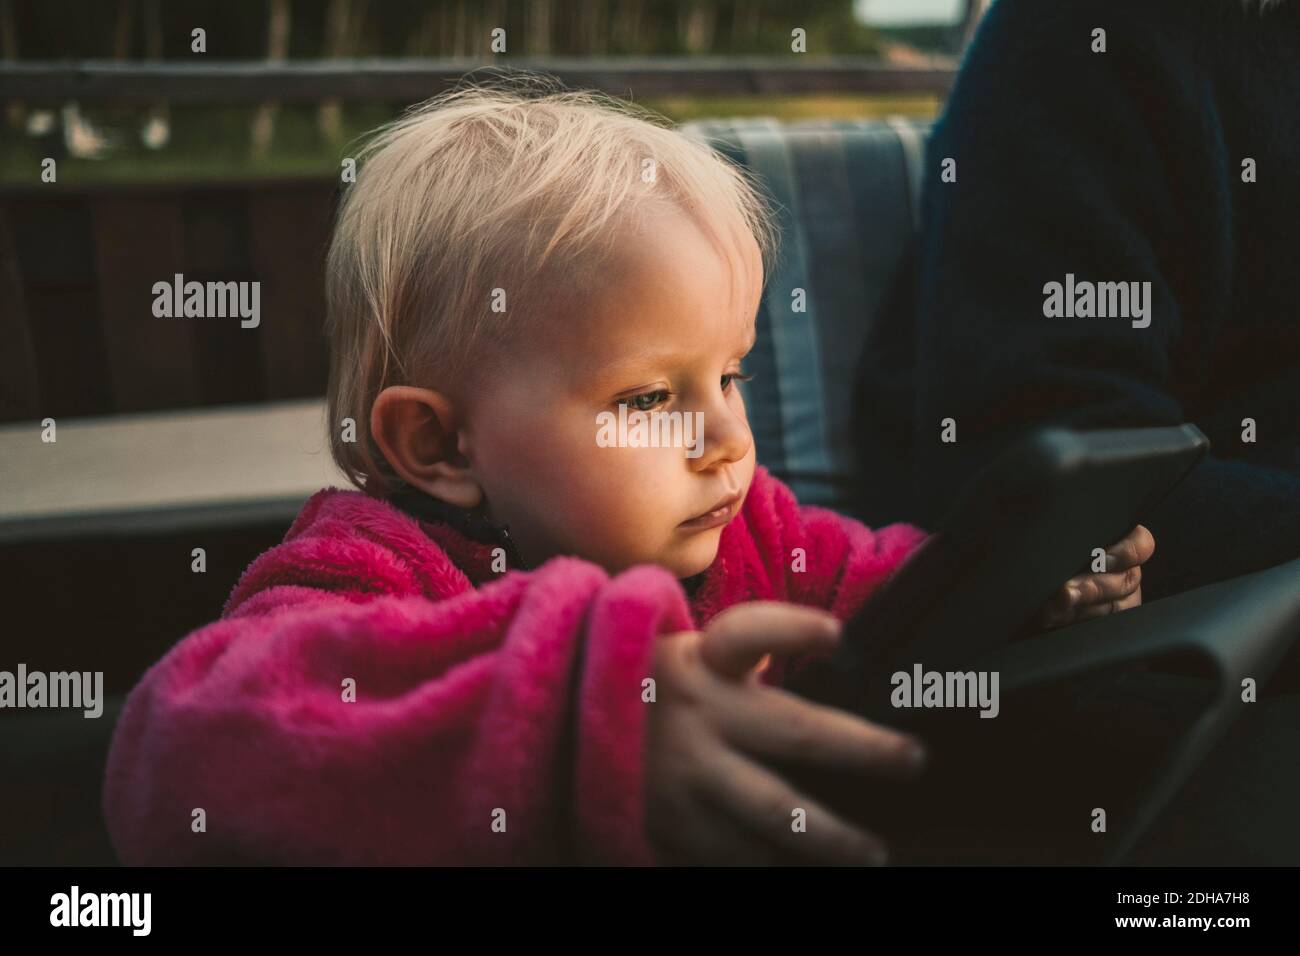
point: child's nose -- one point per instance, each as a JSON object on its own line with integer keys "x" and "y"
{"x": 726, "y": 438}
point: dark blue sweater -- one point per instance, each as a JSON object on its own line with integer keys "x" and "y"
{"x": 1123, "y": 166}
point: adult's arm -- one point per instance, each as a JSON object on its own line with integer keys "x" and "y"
{"x": 1108, "y": 166}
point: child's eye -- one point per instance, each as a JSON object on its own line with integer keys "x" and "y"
{"x": 735, "y": 377}
{"x": 646, "y": 400}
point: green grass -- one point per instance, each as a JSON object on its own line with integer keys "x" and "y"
{"x": 214, "y": 143}
{"x": 822, "y": 106}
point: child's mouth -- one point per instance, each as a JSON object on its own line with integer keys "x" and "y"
{"x": 722, "y": 512}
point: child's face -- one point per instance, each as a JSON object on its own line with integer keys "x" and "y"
{"x": 665, "y": 331}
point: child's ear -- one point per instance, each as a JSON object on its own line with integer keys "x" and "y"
{"x": 416, "y": 429}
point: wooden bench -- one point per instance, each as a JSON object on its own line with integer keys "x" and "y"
{"x": 162, "y": 472}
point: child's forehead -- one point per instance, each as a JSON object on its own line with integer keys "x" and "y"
{"x": 675, "y": 262}
{"x": 669, "y": 286}
{"x": 664, "y": 292}
{"x": 647, "y": 339}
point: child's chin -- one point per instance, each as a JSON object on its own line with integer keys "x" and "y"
{"x": 698, "y": 555}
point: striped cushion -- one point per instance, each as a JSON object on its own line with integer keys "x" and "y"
{"x": 847, "y": 200}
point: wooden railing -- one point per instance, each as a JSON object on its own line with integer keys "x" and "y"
{"x": 411, "y": 80}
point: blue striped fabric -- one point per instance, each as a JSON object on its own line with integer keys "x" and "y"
{"x": 846, "y": 196}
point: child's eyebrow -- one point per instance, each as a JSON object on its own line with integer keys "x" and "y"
{"x": 659, "y": 358}
{"x": 641, "y": 361}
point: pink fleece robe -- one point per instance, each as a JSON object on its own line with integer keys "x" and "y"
{"x": 481, "y": 698}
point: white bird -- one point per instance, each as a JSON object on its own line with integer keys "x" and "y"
{"x": 157, "y": 131}
{"x": 80, "y": 137}
{"x": 40, "y": 122}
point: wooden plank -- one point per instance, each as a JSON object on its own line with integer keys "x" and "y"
{"x": 228, "y": 356}
{"x": 373, "y": 80}
{"x": 163, "y": 461}
{"x": 289, "y": 231}
{"x": 138, "y": 242}
{"x": 57, "y": 263}
{"x": 18, "y": 386}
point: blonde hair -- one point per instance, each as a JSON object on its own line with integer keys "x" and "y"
{"x": 514, "y": 185}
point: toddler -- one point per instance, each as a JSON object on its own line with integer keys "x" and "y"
{"x": 519, "y": 641}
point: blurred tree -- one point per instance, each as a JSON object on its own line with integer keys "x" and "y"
{"x": 343, "y": 19}
{"x": 277, "y": 49}
{"x": 82, "y": 29}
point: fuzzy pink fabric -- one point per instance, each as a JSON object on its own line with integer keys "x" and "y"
{"x": 480, "y": 696}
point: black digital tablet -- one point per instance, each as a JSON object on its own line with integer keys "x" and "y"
{"x": 1099, "y": 723}
{"x": 1014, "y": 534}
{"x": 1099, "y": 726}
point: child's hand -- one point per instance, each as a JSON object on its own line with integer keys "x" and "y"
{"x": 1093, "y": 595}
{"x": 709, "y": 797}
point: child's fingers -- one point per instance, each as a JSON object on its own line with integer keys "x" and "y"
{"x": 1093, "y": 595}
{"x": 702, "y": 834}
{"x": 1109, "y": 607}
{"x": 739, "y": 638}
{"x": 1090, "y": 589}
{"x": 766, "y": 804}
{"x": 1132, "y": 550}
{"x": 776, "y": 724}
